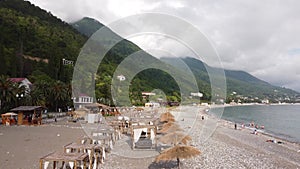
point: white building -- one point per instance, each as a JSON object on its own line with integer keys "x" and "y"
{"x": 121, "y": 77}
{"x": 152, "y": 104}
{"x": 198, "y": 94}
{"x": 82, "y": 100}
{"x": 23, "y": 82}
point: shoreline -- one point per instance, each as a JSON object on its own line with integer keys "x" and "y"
{"x": 265, "y": 132}
{"x": 225, "y": 148}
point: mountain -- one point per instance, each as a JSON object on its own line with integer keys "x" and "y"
{"x": 144, "y": 81}
{"x": 243, "y": 84}
{"x": 33, "y": 40}
{"x": 87, "y": 26}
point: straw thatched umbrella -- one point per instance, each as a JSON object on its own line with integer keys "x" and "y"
{"x": 178, "y": 152}
{"x": 166, "y": 126}
{"x": 171, "y": 129}
{"x": 166, "y": 117}
{"x": 175, "y": 138}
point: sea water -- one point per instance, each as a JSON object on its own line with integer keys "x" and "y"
{"x": 282, "y": 121}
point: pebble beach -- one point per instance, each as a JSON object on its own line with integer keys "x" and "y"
{"x": 21, "y": 147}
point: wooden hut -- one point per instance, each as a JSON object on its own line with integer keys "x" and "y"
{"x": 28, "y": 115}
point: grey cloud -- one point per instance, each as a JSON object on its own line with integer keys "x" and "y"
{"x": 251, "y": 35}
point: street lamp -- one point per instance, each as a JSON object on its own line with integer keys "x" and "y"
{"x": 19, "y": 96}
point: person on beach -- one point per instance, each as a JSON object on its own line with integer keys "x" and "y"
{"x": 235, "y": 126}
{"x": 274, "y": 141}
{"x": 255, "y": 132}
{"x": 252, "y": 124}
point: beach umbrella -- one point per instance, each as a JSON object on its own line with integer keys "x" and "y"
{"x": 166, "y": 126}
{"x": 171, "y": 129}
{"x": 167, "y": 117}
{"x": 175, "y": 138}
{"x": 178, "y": 152}
{"x": 10, "y": 114}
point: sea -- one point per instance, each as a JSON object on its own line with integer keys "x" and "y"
{"x": 282, "y": 121}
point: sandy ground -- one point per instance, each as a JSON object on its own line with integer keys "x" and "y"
{"x": 22, "y": 146}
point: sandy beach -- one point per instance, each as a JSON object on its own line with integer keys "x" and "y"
{"x": 22, "y": 146}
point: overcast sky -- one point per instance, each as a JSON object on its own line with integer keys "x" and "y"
{"x": 261, "y": 37}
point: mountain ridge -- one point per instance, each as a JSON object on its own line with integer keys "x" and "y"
{"x": 31, "y": 31}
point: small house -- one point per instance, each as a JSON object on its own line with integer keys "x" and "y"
{"x": 28, "y": 115}
{"x": 23, "y": 82}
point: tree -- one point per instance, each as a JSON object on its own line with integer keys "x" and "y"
{"x": 58, "y": 94}
{"x": 8, "y": 91}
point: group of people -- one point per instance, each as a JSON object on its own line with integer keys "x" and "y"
{"x": 251, "y": 125}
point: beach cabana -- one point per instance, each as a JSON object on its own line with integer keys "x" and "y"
{"x": 94, "y": 151}
{"x": 143, "y": 136}
{"x": 74, "y": 160}
{"x": 110, "y": 133}
{"x": 28, "y": 115}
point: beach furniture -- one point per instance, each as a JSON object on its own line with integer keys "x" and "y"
{"x": 106, "y": 137}
{"x": 94, "y": 151}
{"x": 143, "y": 136}
{"x": 74, "y": 160}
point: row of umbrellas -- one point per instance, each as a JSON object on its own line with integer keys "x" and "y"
{"x": 174, "y": 135}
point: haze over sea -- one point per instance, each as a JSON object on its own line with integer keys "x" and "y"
{"x": 282, "y": 121}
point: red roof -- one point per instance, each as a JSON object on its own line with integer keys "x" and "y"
{"x": 16, "y": 80}
{"x": 83, "y": 95}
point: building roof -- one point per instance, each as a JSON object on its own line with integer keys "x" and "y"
{"x": 83, "y": 95}
{"x": 27, "y": 108}
{"x": 18, "y": 80}
{"x": 96, "y": 105}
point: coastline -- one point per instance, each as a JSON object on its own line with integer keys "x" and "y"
{"x": 262, "y": 131}
{"x": 22, "y": 146}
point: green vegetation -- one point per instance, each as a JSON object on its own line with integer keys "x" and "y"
{"x": 34, "y": 43}
{"x": 243, "y": 86}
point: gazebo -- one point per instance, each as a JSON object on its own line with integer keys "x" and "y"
{"x": 28, "y": 115}
{"x": 143, "y": 136}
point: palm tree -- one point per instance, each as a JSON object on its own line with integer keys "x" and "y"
{"x": 7, "y": 93}
{"x": 59, "y": 93}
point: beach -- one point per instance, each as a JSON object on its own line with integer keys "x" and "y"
{"x": 21, "y": 147}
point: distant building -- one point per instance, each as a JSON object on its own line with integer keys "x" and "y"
{"x": 82, "y": 100}
{"x": 148, "y": 94}
{"x": 152, "y": 104}
{"x": 265, "y": 101}
{"x": 198, "y": 94}
{"x": 23, "y": 82}
{"x": 121, "y": 77}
